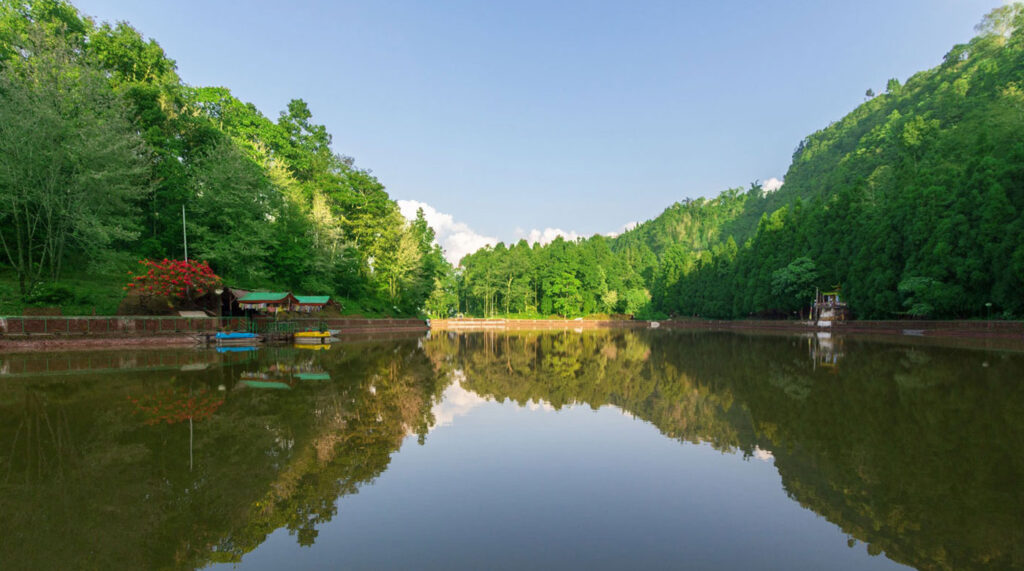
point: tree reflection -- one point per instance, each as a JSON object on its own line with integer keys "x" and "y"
{"x": 264, "y": 460}
{"x": 913, "y": 450}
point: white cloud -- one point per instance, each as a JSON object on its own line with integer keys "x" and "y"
{"x": 625, "y": 227}
{"x": 537, "y": 404}
{"x": 456, "y": 401}
{"x": 456, "y": 238}
{"x": 762, "y": 454}
{"x": 547, "y": 235}
{"x": 772, "y": 184}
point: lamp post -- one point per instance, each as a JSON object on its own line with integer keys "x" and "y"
{"x": 988, "y": 313}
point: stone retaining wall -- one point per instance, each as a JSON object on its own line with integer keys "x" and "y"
{"x": 95, "y": 327}
{"x": 534, "y": 324}
{"x": 986, "y": 329}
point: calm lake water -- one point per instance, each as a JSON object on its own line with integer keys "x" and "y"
{"x": 595, "y": 450}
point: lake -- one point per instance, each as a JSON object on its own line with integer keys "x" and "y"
{"x": 553, "y": 450}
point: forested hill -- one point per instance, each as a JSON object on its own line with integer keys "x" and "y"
{"x": 102, "y": 145}
{"x": 912, "y": 203}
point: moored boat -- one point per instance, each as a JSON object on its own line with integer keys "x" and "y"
{"x": 236, "y": 338}
{"x": 319, "y": 340}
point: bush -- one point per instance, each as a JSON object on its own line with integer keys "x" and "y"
{"x": 50, "y": 294}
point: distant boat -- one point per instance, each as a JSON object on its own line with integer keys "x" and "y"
{"x": 235, "y": 335}
{"x": 236, "y": 338}
{"x": 314, "y": 337}
{"x": 325, "y": 340}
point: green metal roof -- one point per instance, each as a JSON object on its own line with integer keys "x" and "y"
{"x": 266, "y": 385}
{"x": 313, "y": 299}
{"x": 264, "y": 296}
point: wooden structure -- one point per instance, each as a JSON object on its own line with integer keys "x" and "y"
{"x": 829, "y": 308}
{"x": 268, "y": 301}
{"x": 311, "y": 303}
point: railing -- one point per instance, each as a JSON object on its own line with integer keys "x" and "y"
{"x": 97, "y": 325}
{"x": 150, "y": 325}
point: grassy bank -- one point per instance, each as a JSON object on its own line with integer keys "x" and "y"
{"x": 77, "y": 295}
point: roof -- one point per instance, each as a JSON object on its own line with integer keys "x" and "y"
{"x": 238, "y": 293}
{"x": 264, "y": 297}
{"x": 313, "y": 299}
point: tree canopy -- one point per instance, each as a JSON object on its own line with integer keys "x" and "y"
{"x": 912, "y": 204}
{"x": 102, "y": 147}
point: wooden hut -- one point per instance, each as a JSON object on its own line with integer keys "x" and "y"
{"x": 829, "y": 308}
{"x": 268, "y": 301}
{"x": 311, "y": 303}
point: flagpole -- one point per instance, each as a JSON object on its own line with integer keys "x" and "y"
{"x": 184, "y": 234}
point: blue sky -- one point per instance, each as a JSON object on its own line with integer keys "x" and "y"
{"x": 517, "y": 118}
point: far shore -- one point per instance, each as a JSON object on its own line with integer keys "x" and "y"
{"x": 964, "y": 333}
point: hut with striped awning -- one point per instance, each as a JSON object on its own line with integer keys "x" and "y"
{"x": 268, "y": 301}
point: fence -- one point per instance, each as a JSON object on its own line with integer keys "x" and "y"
{"x": 95, "y": 326}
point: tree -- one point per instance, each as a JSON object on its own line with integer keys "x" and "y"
{"x": 793, "y": 285}
{"x": 184, "y": 280}
{"x": 71, "y": 164}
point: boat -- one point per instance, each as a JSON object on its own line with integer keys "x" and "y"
{"x": 236, "y": 338}
{"x": 315, "y": 340}
{"x": 314, "y": 337}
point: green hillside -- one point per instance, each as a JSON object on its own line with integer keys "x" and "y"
{"x": 104, "y": 150}
{"x": 912, "y": 203}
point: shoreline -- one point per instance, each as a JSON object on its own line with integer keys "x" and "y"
{"x": 992, "y": 334}
{"x": 31, "y": 333}
{"x": 1008, "y": 335}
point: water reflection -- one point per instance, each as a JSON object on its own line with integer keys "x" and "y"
{"x": 97, "y": 471}
{"x": 910, "y": 449}
{"x": 913, "y": 450}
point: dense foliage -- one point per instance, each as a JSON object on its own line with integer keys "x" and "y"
{"x": 174, "y": 278}
{"x": 912, "y": 204}
{"x": 102, "y": 146}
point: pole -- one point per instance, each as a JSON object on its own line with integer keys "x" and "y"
{"x": 184, "y": 233}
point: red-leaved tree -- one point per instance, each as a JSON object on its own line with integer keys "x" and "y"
{"x": 184, "y": 280}
{"x": 176, "y": 405}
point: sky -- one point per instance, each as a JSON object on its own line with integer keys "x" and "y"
{"x": 531, "y": 119}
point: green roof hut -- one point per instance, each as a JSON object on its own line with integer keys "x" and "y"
{"x": 268, "y": 301}
{"x": 311, "y": 303}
